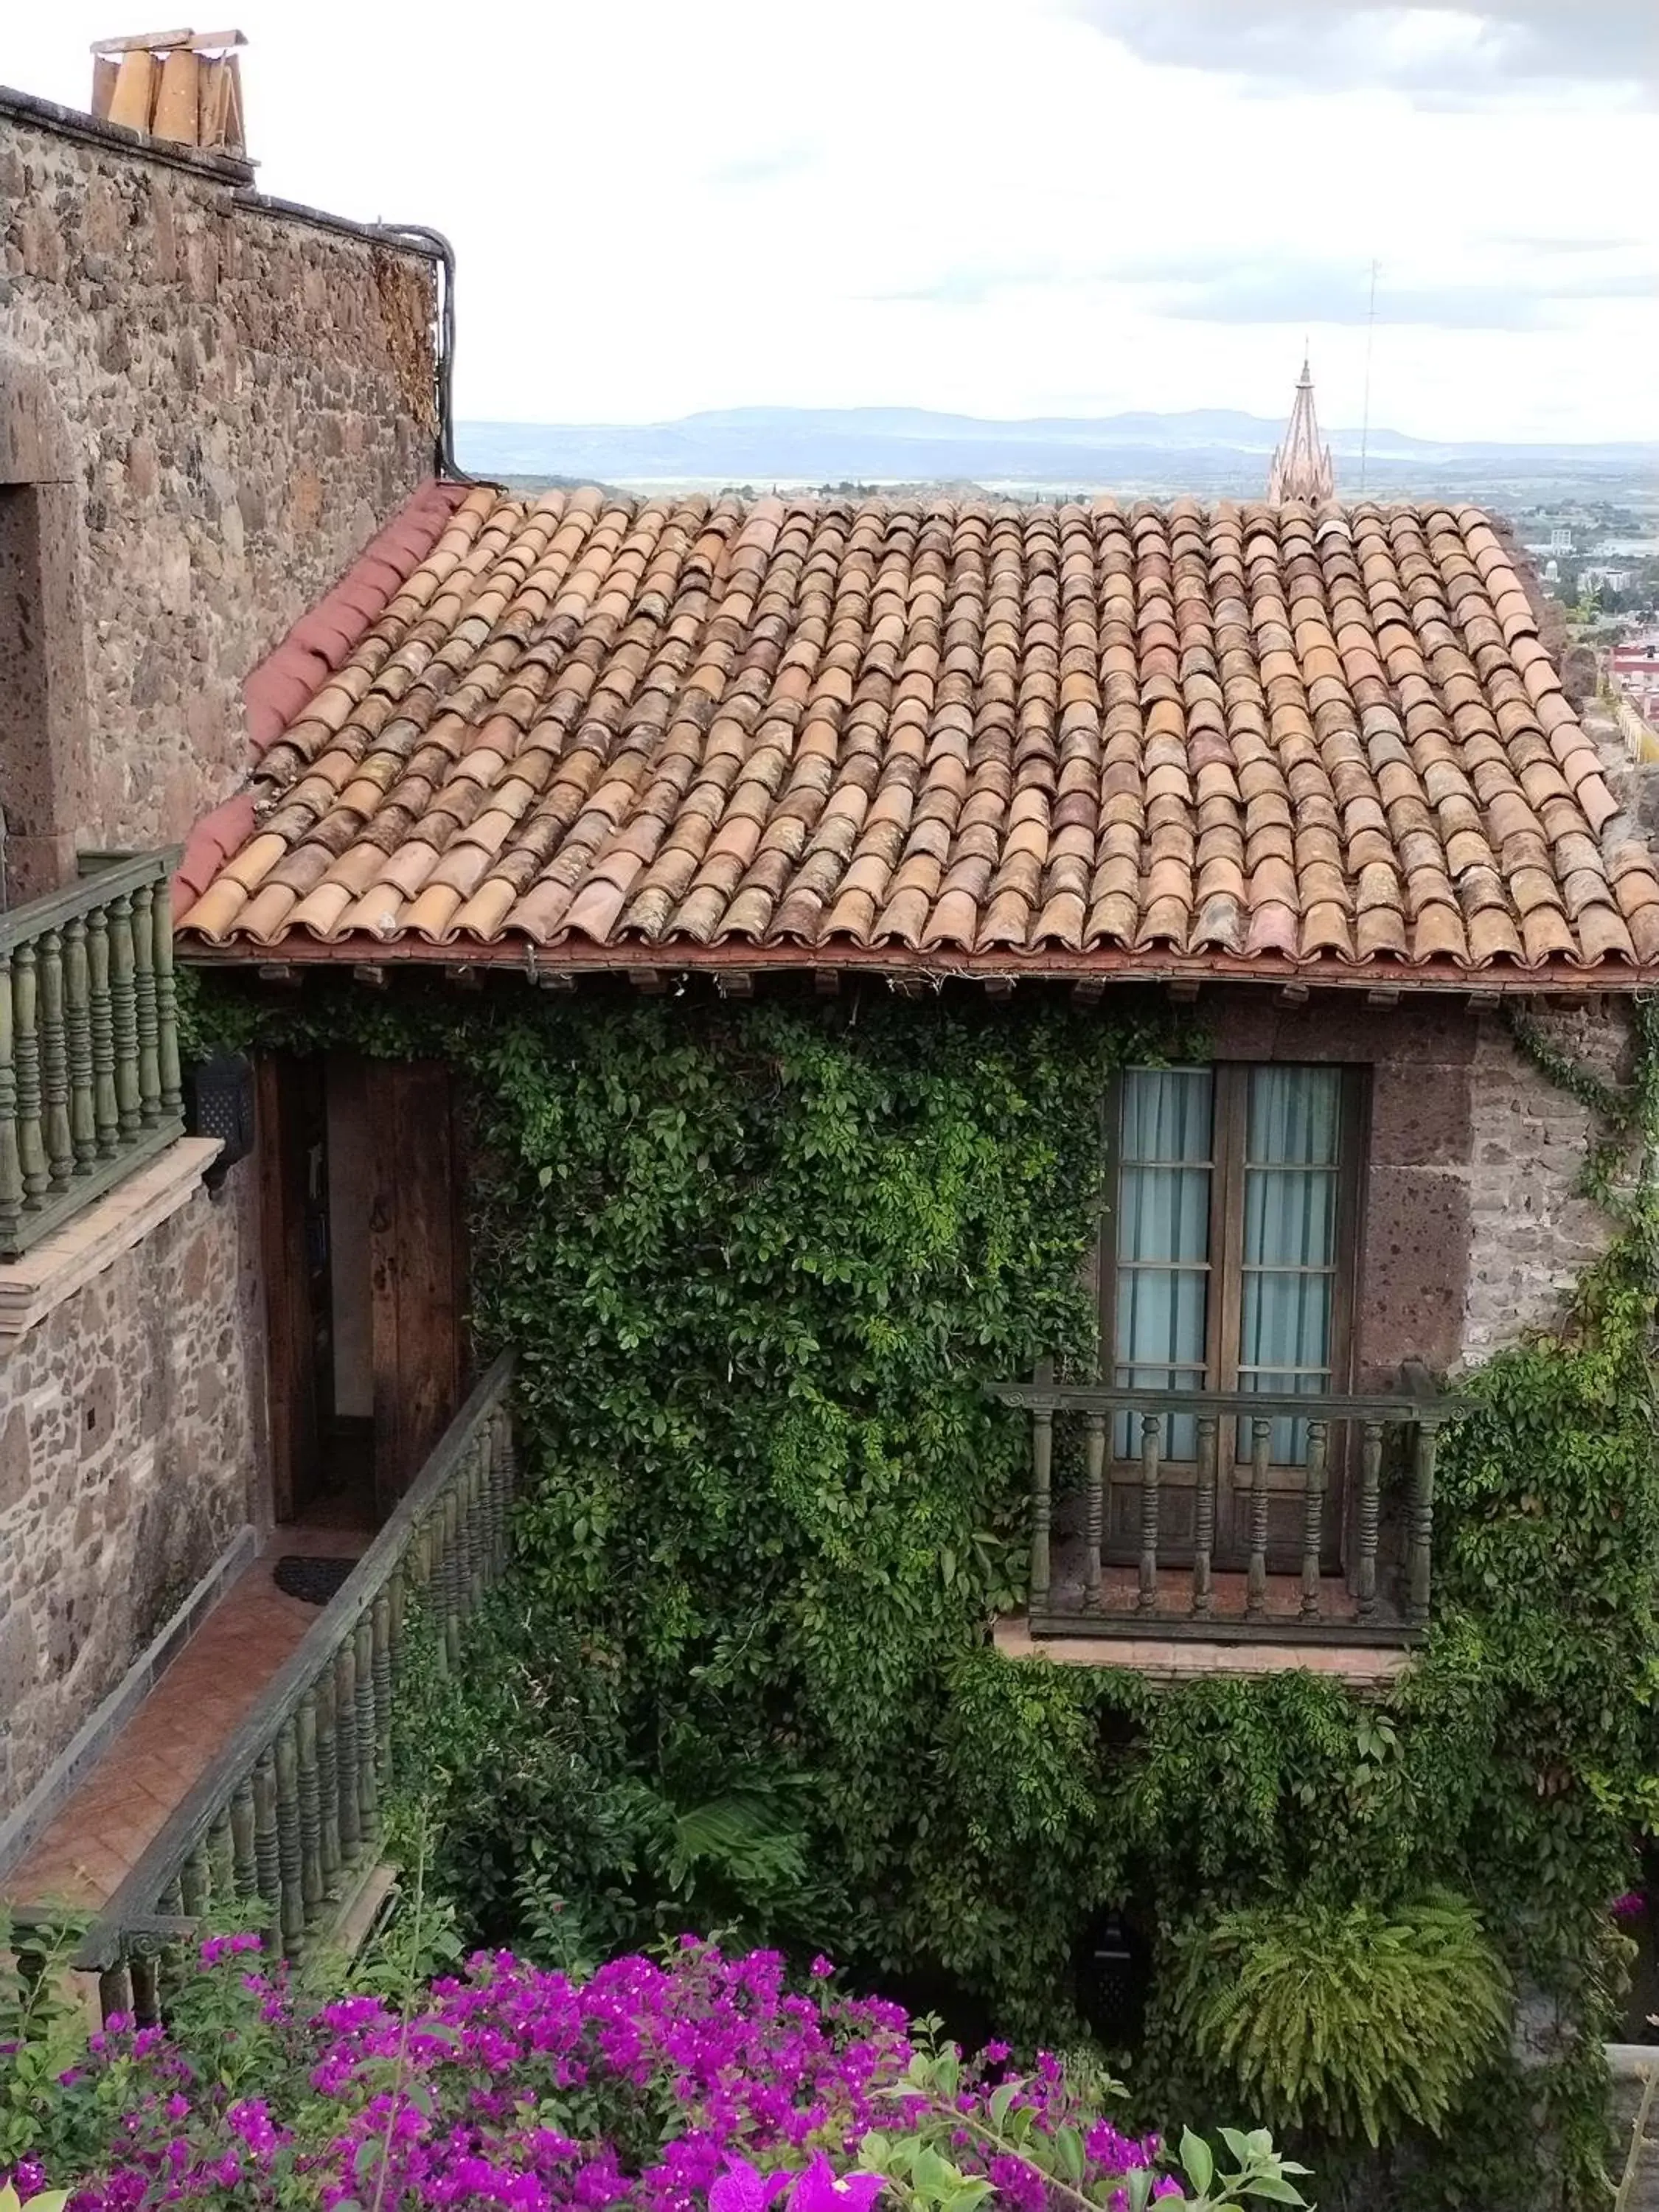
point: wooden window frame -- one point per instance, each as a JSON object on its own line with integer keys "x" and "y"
{"x": 1224, "y": 1300}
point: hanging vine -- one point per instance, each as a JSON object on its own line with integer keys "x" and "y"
{"x": 758, "y": 1262}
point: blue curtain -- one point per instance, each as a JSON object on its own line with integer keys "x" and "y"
{"x": 1163, "y": 1243}
{"x": 1292, "y": 1128}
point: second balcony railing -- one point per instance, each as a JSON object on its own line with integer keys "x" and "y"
{"x": 1231, "y": 1515}
{"x": 89, "y": 1084}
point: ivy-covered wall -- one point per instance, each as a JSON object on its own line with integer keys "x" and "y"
{"x": 758, "y": 1262}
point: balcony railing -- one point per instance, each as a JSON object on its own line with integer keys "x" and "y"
{"x": 285, "y": 1827}
{"x": 88, "y": 1044}
{"x": 1232, "y": 1515}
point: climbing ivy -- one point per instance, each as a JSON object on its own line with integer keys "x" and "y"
{"x": 758, "y": 1262}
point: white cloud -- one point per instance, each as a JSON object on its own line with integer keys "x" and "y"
{"x": 980, "y": 205}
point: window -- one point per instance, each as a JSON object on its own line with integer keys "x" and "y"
{"x": 1227, "y": 1264}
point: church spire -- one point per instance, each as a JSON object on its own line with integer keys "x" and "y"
{"x": 1302, "y": 466}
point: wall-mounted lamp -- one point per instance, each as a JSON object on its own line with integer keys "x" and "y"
{"x": 219, "y": 1103}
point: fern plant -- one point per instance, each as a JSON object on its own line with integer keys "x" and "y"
{"x": 1352, "y": 2019}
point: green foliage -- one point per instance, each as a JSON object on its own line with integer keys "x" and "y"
{"x": 1353, "y": 2019}
{"x": 922, "y": 2169}
{"x": 42, "y": 2031}
{"x": 758, "y": 1262}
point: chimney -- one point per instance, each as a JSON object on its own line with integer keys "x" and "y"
{"x": 183, "y": 86}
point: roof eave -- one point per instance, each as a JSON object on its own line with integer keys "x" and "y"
{"x": 545, "y": 964}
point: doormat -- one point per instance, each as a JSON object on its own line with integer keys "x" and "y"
{"x": 316, "y": 1580}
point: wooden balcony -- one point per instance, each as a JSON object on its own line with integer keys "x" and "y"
{"x": 1231, "y": 1516}
{"x": 89, "y": 1085}
{"x": 283, "y": 1827}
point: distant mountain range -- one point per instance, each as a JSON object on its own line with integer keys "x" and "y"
{"x": 1211, "y": 451}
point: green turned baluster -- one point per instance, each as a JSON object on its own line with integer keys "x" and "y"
{"x": 328, "y": 1780}
{"x": 397, "y": 1597}
{"x": 78, "y": 1017}
{"x": 1370, "y": 1492}
{"x": 124, "y": 1016}
{"x": 26, "y": 1054}
{"x": 145, "y": 1014}
{"x": 1422, "y": 1523}
{"x": 487, "y": 1504}
{"x": 290, "y": 1856}
{"x": 169, "y": 1965}
{"x": 369, "y": 1796}
{"x": 1151, "y": 1439}
{"x": 266, "y": 1856}
{"x": 1209, "y": 1448}
{"x": 1094, "y": 1497}
{"x": 507, "y": 1457}
{"x": 54, "y": 1063}
{"x": 1042, "y": 1453}
{"x": 196, "y": 1883}
{"x": 501, "y": 1487}
{"x": 167, "y": 1006}
{"x": 311, "y": 1809}
{"x": 11, "y": 1165}
{"x": 450, "y": 1539}
{"x": 105, "y": 1106}
{"x": 473, "y": 1527}
{"x": 380, "y": 1624}
{"x": 222, "y": 1858}
{"x": 115, "y": 1990}
{"x": 1313, "y": 1525}
{"x": 1255, "y": 1580}
{"x": 345, "y": 1742}
{"x": 146, "y": 1989}
{"x": 244, "y": 1865}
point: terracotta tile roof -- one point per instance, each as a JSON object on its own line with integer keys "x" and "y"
{"x": 976, "y": 735}
{"x": 318, "y": 644}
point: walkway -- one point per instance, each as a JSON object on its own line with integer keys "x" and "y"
{"x": 102, "y": 1832}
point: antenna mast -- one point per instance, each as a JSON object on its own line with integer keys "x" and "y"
{"x": 1366, "y": 406}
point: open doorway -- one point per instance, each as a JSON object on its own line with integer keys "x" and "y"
{"x": 364, "y": 1279}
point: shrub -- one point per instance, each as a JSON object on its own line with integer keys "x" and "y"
{"x": 1351, "y": 2019}
{"x": 655, "y": 2086}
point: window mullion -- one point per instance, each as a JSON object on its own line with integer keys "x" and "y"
{"x": 1226, "y": 1226}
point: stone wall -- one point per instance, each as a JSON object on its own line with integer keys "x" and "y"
{"x": 1531, "y": 1232}
{"x": 237, "y": 393}
{"x": 129, "y": 1427}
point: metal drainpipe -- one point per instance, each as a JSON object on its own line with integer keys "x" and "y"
{"x": 444, "y": 368}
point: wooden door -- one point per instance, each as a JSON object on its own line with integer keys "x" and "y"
{"x": 290, "y": 1163}
{"x": 417, "y": 1268}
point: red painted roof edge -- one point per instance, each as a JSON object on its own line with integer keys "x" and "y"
{"x": 322, "y": 640}
{"x": 325, "y": 637}
{"x": 209, "y": 846}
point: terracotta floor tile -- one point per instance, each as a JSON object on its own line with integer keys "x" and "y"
{"x": 179, "y": 1731}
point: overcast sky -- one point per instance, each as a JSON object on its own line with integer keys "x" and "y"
{"x": 1000, "y": 207}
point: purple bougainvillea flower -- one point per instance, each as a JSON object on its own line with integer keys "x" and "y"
{"x": 820, "y": 2189}
{"x": 743, "y": 2188}
{"x": 1630, "y": 1906}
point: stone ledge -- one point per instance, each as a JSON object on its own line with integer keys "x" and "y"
{"x": 30, "y": 1288}
{"x": 23, "y": 1826}
{"x": 1169, "y": 1659}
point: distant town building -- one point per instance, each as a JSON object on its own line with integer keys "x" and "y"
{"x": 1302, "y": 467}
{"x": 1633, "y": 673}
{"x": 1603, "y": 580}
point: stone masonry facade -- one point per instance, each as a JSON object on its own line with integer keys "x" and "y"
{"x": 236, "y": 395}
{"x": 209, "y": 402}
{"x": 128, "y": 1417}
{"x": 1532, "y": 1231}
